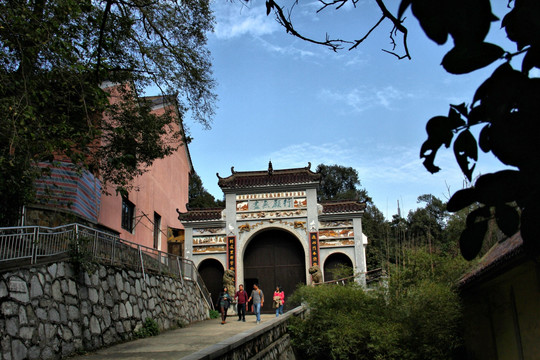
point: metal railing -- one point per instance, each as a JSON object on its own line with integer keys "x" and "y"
{"x": 32, "y": 243}
{"x": 370, "y": 276}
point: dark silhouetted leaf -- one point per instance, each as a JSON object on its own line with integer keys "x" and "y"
{"x": 428, "y": 152}
{"x": 522, "y": 24}
{"x": 461, "y": 108}
{"x": 471, "y": 239}
{"x": 515, "y": 139}
{"x": 454, "y": 119}
{"x": 461, "y": 199}
{"x": 462, "y": 60}
{"x": 483, "y": 139}
{"x": 432, "y": 17}
{"x": 531, "y": 59}
{"x": 403, "y": 7}
{"x": 469, "y": 21}
{"x": 501, "y": 77}
{"x": 439, "y": 130}
{"x": 477, "y": 115}
{"x": 465, "y": 149}
{"x": 507, "y": 219}
{"x": 480, "y": 214}
{"x": 498, "y": 188}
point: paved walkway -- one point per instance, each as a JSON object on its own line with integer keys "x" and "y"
{"x": 175, "y": 344}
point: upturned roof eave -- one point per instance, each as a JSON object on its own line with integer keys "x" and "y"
{"x": 277, "y": 187}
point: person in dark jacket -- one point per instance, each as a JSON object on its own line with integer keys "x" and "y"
{"x": 242, "y": 297}
{"x": 224, "y": 301}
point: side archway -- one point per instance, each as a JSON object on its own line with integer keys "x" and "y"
{"x": 212, "y": 272}
{"x": 334, "y": 264}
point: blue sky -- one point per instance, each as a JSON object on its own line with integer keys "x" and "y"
{"x": 291, "y": 102}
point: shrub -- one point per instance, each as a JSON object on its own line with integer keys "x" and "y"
{"x": 420, "y": 320}
{"x": 80, "y": 252}
{"x": 214, "y": 314}
{"x": 149, "y": 328}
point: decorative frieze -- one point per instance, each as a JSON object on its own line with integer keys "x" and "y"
{"x": 336, "y": 223}
{"x": 208, "y": 231}
{"x": 209, "y": 249}
{"x": 272, "y": 214}
{"x": 336, "y": 242}
{"x": 336, "y": 233}
{"x": 284, "y": 194}
{"x": 294, "y": 224}
{"x": 209, "y": 240}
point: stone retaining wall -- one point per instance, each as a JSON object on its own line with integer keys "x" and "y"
{"x": 268, "y": 341}
{"x": 51, "y": 311}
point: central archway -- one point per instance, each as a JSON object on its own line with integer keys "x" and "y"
{"x": 274, "y": 257}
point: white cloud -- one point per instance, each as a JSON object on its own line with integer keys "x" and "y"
{"x": 357, "y": 60}
{"x": 234, "y": 19}
{"x": 363, "y": 98}
{"x": 286, "y": 50}
{"x": 298, "y": 155}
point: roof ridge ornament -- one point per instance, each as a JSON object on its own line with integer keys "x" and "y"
{"x": 270, "y": 168}
{"x": 308, "y": 167}
{"x": 232, "y": 170}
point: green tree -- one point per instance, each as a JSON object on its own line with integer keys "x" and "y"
{"x": 57, "y": 57}
{"x": 426, "y": 225}
{"x": 505, "y": 106}
{"x": 377, "y": 229}
{"x": 199, "y": 197}
{"x": 340, "y": 182}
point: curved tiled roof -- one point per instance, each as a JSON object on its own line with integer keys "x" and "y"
{"x": 342, "y": 206}
{"x": 200, "y": 214}
{"x": 270, "y": 177}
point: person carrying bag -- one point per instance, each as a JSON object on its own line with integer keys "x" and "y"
{"x": 224, "y": 301}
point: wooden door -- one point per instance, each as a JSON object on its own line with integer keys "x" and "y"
{"x": 272, "y": 258}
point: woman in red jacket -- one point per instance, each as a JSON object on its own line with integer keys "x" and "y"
{"x": 279, "y": 300}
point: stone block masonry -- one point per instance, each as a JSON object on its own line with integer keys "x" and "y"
{"x": 52, "y": 311}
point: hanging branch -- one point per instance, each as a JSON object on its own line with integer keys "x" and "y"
{"x": 285, "y": 21}
{"x": 336, "y": 44}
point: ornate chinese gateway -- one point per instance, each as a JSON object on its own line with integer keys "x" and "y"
{"x": 273, "y": 230}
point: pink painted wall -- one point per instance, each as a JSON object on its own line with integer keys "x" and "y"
{"x": 162, "y": 189}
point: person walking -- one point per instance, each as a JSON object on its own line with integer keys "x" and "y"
{"x": 224, "y": 300}
{"x": 258, "y": 301}
{"x": 279, "y": 300}
{"x": 242, "y": 297}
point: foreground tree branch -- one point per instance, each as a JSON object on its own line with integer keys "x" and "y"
{"x": 337, "y": 44}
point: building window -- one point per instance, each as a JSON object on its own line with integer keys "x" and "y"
{"x": 128, "y": 212}
{"x": 157, "y": 231}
